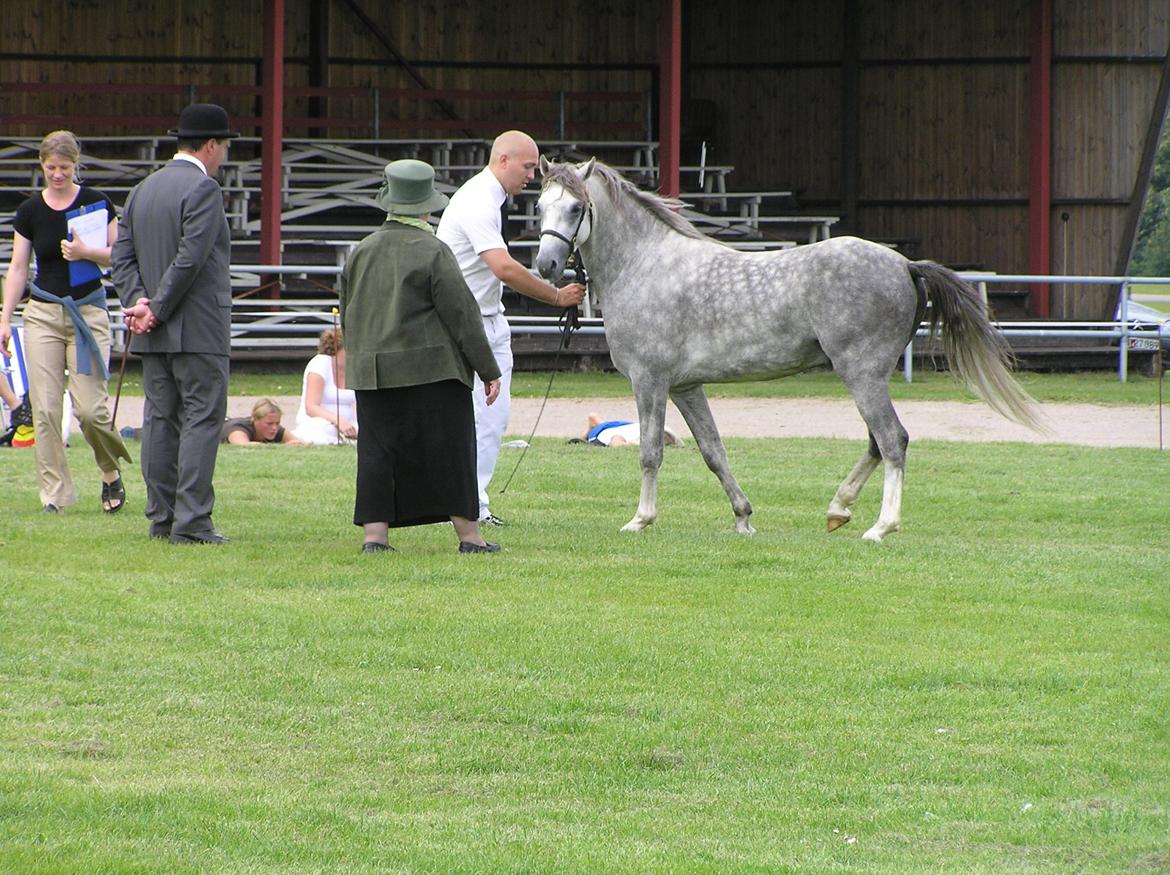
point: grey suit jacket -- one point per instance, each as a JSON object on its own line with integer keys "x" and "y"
{"x": 174, "y": 247}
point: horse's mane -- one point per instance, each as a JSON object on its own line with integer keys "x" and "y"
{"x": 665, "y": 209}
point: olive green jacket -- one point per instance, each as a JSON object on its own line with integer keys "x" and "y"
{"x": 407, "y": 315}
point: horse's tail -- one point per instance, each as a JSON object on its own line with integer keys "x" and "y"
{"x": 973, "y": 347}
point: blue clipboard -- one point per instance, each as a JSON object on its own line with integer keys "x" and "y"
{"x": 82, "y": 272}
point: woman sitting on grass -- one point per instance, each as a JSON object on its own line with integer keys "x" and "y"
{"x": 328, "y": 411}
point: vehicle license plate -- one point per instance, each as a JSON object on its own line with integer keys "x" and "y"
{"x": 1143, "y": 344}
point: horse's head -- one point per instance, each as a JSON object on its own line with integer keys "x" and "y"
{"x": 566, "y": 215}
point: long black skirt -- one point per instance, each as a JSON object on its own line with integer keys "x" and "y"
{"x": 415, "y": 455}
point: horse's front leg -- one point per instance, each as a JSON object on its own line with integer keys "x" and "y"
{"x": 650, "y": 397}
{"x": 692, "y": 404}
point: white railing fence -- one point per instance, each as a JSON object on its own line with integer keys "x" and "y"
{"x": 259, "y": 322}
{"x": 1129, "y": 332}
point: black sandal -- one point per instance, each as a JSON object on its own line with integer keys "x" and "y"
{"x": 112, "y": 492}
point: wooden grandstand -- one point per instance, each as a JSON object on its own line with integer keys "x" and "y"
{"x": 327, "y": 205}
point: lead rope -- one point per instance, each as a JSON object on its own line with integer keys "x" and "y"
{"x": 570, "y": 324}
{"x": 121, "y": 377}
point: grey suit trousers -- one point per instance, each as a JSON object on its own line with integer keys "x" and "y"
{"x": 186, "y": 402}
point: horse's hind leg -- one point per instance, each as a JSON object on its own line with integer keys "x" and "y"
{"x": 692, "y": 404}
{"x": 878, "y": 411}
{"x": 889, "y": 439}
{"x": 841, "y": 507}
{"x": 890, "y": 519}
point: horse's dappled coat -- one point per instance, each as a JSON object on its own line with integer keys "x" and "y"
{"x": 682, "y": 309}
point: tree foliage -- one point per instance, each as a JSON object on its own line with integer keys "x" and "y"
{"x": 1152, "y": 249}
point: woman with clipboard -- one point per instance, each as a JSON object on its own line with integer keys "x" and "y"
{"x": 70, "y": 228}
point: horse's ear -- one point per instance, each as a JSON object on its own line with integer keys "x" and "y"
{"x": 588, "y": 168}
{"x": 544, "y": 165}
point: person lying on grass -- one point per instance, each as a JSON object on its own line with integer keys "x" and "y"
{"x": 262, "y": 427}
{"x": 622, "y": 432}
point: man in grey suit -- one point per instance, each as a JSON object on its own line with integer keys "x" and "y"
{"x": 170, "y": 265}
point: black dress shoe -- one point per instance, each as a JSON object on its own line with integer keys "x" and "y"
{"x": 485, "y": 547}
{"x": 212, "y": 537}
{"x": 375, "y": 547}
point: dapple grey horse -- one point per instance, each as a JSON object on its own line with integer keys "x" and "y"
{"x": 682, "y": 310}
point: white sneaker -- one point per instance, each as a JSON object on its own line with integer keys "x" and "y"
{"x": 492, "y": 520}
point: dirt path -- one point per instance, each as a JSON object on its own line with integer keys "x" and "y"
{"x": 1086, "y": 424}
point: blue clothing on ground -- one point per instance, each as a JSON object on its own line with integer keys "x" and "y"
{"x": 598, "y": 429}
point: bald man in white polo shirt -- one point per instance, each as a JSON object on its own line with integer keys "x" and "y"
{"x": 471, "y": 226}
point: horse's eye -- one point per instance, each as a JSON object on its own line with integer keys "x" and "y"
{"x": 575, "y": 208}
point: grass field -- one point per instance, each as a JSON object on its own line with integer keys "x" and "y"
{"x": 1098, "y": 387}
{"x": 1154, "y": 295}
{"x": 987, "y": 691}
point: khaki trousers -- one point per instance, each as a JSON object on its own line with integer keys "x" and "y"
{"x": 50, "y": 348}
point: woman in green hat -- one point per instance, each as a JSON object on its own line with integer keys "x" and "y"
{"x": 413, "y": 338}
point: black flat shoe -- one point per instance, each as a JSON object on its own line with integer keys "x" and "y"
{"x": 213, "y": 537}
{"x": 485, "y": 547}
{"x": 375, "y": 547}
{"x": 21, "y": 414}
{"x": 113, "y": 492}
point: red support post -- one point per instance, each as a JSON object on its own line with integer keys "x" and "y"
{"x": 1040, "y": 157}
{"x": 271, "y": 132}
{"x": 670, "y": 98}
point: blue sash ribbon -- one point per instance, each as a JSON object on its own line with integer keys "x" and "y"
{"x": 600, "y": 427}
{"x": 87, "y": 346}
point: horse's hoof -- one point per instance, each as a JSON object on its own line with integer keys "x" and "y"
{"x": 634, "y": 525}
{"x": 835, "y": 521}
{"x": 873, "y": 535}
{"x": 743, "y": 527}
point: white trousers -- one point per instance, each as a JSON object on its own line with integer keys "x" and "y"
{"x": 492, "y": 422}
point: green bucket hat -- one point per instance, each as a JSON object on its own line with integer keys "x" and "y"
{"x": 409, "y": 189}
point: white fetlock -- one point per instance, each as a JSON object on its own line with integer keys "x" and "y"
{"x": 878, "y": 532}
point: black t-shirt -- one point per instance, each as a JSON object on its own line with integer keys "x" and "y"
{"x": 245, "y": 424}
{"x": 46, "y": 228}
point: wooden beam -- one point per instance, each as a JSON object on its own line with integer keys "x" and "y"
{"x": 388, "y": 44}
{"x": 670, "y": 97}
{"x": 272, "y": 132}
{"x": 850, "y": 115}
{"x": 318, "y": 61}
{"x": 1040, "y": 154}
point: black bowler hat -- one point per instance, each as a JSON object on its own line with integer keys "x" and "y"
{"x": 203, "y": 121}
